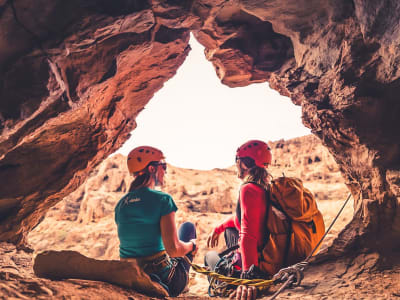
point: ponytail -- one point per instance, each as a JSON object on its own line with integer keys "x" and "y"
{"x": 256, "y": 174}
{"x": 141, "y": 180}
{"x": 259, "y": 176}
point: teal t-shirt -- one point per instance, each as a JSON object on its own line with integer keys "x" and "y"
{"x": 138, "y": 216}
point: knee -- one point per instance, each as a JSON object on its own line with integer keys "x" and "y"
{"x": 211, "y": 258}
{"x": 188, "y": 226}
{"x": 187, "y": 231}
{"x": 231, "y": 232}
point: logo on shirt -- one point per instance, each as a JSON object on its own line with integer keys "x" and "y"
{"x": 133, "y": 200}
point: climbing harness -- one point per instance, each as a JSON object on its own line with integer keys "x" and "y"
{"x": 293, "y": 274}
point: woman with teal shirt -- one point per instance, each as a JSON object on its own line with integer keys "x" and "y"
{"x": 145, "y": 219}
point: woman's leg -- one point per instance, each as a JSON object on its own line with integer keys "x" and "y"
{"x": 211, "y": 259}
{"x": 231, "y": 237}
{"x": 180, "y": 278}
{"x": 187, "y": 232}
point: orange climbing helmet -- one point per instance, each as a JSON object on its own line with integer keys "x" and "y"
{"x": 140, "y": 157}
{"x": 259, "y": 151}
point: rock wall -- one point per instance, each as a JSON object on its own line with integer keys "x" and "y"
{"x": 75, "y": 78}
{"x": 341, "y": 66}
{"x": 75, "y": 74}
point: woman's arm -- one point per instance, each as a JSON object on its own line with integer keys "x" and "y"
{"x": 252, "y": 220}
{"x": 213, "y": 237}
{"x": 173, "y": 246}
{"x": 230, "y": 222}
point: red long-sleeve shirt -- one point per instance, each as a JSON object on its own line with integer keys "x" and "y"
{"x": 252, "y": 227}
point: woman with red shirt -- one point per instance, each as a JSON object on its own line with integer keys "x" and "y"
{"x": 247, "y": 228}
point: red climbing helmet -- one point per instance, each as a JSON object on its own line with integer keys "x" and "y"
{"x": 259, "y": 151}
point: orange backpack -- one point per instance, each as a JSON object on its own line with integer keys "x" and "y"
{"x": 295, "y": 225}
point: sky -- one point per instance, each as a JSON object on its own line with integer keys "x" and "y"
{"x": 199, "y": 123}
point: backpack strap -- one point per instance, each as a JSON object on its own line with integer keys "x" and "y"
{"x": 288, "y": 239}
{"x": 312, "y": 225}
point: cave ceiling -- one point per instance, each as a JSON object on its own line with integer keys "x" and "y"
{"x": 75, "y": 74}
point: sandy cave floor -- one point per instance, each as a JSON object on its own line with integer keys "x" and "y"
{"x": 341, "y": 279}
{"x": 364, "y": 277}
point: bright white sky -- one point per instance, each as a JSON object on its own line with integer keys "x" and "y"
{"x": 199, "y": 123}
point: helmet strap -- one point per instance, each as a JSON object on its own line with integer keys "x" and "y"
{"x": 156, "y": 181}
{"x": 154, "y": 176}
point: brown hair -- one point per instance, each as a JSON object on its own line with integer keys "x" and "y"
{"x": 259, "y": 176}
{"x": 256, "y": 174}
{"x": 142, "y": 178}
{"x": 140, "y": 181}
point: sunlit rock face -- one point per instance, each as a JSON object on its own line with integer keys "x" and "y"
{"x": 341, "y": 65}
{"x": 75, "y": 74}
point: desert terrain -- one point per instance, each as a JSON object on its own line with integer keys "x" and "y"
{"x": 84, "y": 221}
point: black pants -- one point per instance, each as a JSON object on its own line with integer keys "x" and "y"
{"x": 231, "y": 239}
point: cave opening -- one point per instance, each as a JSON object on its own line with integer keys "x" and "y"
{"x": 199, "y": 122}
{"x": 71, "y": 101}
{"x": 83, "y": 221}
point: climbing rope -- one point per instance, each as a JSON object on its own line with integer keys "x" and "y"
{"x": 329, "y": 228}
{"x": 292, "y": 274}
{"x": 260, "y": 284}
{"x": 295, "y": 270}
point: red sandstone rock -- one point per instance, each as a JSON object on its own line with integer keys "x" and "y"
{"x": 75, "y": 74}
{"x": 77, "y": 98}
{"x": 70, "y": 264}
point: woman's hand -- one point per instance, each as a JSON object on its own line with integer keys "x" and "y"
{"x": 244, "y": 293}
{"x": 212, "y": 239}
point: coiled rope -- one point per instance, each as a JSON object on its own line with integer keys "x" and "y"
{"x": 260, "y": 284}
{"x": 292, "y": 274}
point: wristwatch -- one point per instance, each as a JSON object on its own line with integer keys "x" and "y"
{"x": 193, "y": 247}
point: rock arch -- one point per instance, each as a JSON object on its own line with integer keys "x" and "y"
{"x": 75, "y": 74}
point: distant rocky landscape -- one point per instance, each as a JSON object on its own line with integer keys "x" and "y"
{"x": 84, "y": 220}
